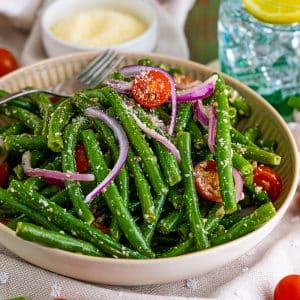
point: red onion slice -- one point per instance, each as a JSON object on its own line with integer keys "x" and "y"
{"x": 123, "y": 87}
{"x": 239, "y": 183}
{"x": 212, "y": 126}
{"x": 198, "y": 92}
{"x": 120, "y": 134}
{"x": 133, "y": 70}
{"x": 3, "y": 151}
{"x": 51, "y": 174}
{"x": 201, "y": 114}
{"x": 160, "y": 138}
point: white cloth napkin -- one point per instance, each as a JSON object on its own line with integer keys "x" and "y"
{"x": 252, "y": 276}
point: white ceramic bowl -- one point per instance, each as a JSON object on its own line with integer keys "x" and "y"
{"x": 64, "y": 8}
{"x": 153, "y": 271}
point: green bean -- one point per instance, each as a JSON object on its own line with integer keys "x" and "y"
{"x": 239, "y": 138}
{"x": 142, "y": 187}
{"x": 134, "y": 204}
{"x": 247, "y": 224}
{"x": 184, "y": 114}
{"x": 6, "y": 211}
{"x": 69, "y": 165}
{"x": 149, "y": 228}
{"x": 122, "y": 179}
{"x": 162, "y": 114}
{"x": 60, "y": 198}
{"x": 112, "y": 196}
{"x": 252, "y": 133}
{"x": 267, "y": 145}
{"x": 137, "y": 140}
{"x": 19, "y": 172}
{"x": 183, "y": 248}
{"x": 184, "y": 230}
{"x": 25, "y": 116}
{"x": 13, "y": 223}
{"x": 21, "y": 143}
{"x": 69, "y": 223}
{"x": 257, "y": 193}
{"x": 50, "y": 190}
{"x": 237, "y": 101}
{"x": 229, "y": 220}
{"x": 233, "y": 116}
{"x": 223, "y": 148}
{"x": 214, "y": 217}
{"x": 13, "y": 129}
{"x": 256, "y": 154}
{"x": 244, "y": 166}
{"x": 18, "y": 102}
{"x": 219, "y": 230}
{"x": 190, "y": 194}
{"x": 145, "y": 62}
{"x": 175, "y": 198}
{"x": 45, "y": 107}
{"x": 114, "y": 230}
{"x": 170, "y": 223}
{"x": 4, "y": 128}
{"x": 13, "y": 203}
{"x": 176, "y": 70}
{"x": 54, "y": 239}
{"x": 58, "y": 121}
{"x": 196, "y": 134}
{"x": 166, "y": 159}
{"x": 117, "y": 75}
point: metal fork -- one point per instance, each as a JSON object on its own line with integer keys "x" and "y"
{"x": 96, "y": 71}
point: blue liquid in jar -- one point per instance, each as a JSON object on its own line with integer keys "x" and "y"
{"x": 266, "y": 57}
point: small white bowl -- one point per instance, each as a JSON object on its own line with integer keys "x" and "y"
{"x": 65, "y": 8}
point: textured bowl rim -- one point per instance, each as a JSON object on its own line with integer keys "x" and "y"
{"x": 228, "y": 245}
{"x": 151, "y": 26}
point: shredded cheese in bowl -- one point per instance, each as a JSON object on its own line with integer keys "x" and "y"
{"x": 99, "y": 27}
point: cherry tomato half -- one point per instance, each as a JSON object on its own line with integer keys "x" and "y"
{"x": 8, "y": 62}
{"x": 151, "y": 89}
{"x": 269, "y": 180}
{"x": 4, "y": 174}
{"x": 207, "y": 180}
{"x": 82, "y": 161}
{"x": 288, "y": 288}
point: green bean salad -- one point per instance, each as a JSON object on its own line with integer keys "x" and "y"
{"x": 148, "y": 164}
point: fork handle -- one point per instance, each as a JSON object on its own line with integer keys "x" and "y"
{"x": 12, "y": 96}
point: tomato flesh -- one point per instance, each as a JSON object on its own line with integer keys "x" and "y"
{"x": 8, "y": 62}
{"x": 269, "y": 180}
{"x": 207, "y": 180}
{"x": 151, "y": 89}
{"x": 288, "y": 288}
{"x": 4, "y": 174}
{"x": 82, "y": 161}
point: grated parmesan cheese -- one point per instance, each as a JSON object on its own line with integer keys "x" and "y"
{"x": 99, "y": 27}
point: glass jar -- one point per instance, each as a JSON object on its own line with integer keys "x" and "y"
{"x": 264, "y": 56}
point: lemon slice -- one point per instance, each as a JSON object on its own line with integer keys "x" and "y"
{"x": 275, "y": 11}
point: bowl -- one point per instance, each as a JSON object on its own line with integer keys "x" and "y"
{"x": 153, "y": 271}
{"x": 58, "y": 10}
